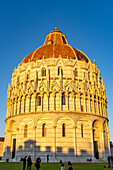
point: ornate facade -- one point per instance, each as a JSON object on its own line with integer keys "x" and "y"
{"x": 56, "y": 105}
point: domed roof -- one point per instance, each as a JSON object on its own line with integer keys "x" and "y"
{"x": 56, "y": 44}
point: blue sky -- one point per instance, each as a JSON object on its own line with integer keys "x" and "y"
{"x": 88, "y": 26}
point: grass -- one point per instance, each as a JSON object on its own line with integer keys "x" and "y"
{"x": 53, "y": 166}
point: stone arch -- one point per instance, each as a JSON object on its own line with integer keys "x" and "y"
{"x": 41, "y": 117}
{"x": 43, "y": 71}
{"x": 83, "y": 132}
{"x": 60, "y": 71}
{"x": 12, "y": 125}
{"x": 97, "y": 124}
{"x": 64, "y": 143}
{"x": 84, "y": 118}
{"x": 97, "y": 138}
{"x": 106, "y": 138}
{"x": 59, "y": 117}
{"x": 38, "y": 102}
{"x": 25, "y": 140}
{"x": 44, "y": 143}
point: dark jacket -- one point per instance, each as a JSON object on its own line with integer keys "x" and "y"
{"x": 38, "y": 163}
{"x": 24, "y": 162}
{"x": 29, "y": 162}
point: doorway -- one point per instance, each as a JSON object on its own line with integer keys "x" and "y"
{"x": 14, "y": 148}
{"x": 96, "y": 153}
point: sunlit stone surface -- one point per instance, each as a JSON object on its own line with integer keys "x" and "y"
{"x": 56, "y": 105}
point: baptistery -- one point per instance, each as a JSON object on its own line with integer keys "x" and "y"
{"x": 56, "y": 105}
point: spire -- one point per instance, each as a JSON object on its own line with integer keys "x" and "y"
{"x": 55, "y": 27}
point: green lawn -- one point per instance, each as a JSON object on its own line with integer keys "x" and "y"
{"x": 54, "y": 166}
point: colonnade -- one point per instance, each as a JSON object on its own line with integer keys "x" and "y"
{"x": 57, "y": 101}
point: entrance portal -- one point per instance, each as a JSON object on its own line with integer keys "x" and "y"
{"x": 14, "y": 148}
{"x": 96, "y": 154}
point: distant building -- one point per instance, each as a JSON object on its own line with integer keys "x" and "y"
{"x": 56, "y": 105}
{"x": 1, "y": 146}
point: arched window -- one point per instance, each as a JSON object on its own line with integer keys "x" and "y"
{"x": 44, "y": 130}
{"x": 90, "y": 105}
{"x": 37, "y": 75}
{"x": 82, "y": 132}
{"x": 60, "y": 71}
{"x": 43, "y": 71}
{"x": 63, "y": 39}
{"x": 25, "y": 131}
{"x": 38, "y": 100}
{"x": 88, "y": 75}
{"x": 17, "y": 79}
{"x": 30, "y": 104}
{"x": 63, "y": 130}
{"x": 99, "y": 107}
{"x": 95, "y": 106}
{"x": 96, "y": 77}
{"x": 76, "y": 72}
{"x": 63, "y": 99}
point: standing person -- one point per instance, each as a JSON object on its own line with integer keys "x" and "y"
{"x": 29, "y": 163}
{"x": 47, "y": 158}
{"x": 63, "y": 167}
{"x": 38, "y": 160}
{"x": 24, "y": 163}
{"x": 108, "y": 160}
{"x": 70, "y": 167}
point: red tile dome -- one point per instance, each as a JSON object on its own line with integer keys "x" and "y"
{"x": 56, "y": 44}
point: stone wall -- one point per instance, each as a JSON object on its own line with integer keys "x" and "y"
{"x": 1, "y": 146}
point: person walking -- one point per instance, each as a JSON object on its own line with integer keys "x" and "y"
{"x": 38, "y": 160}
{"x": 24, "y": 163}
{"x": 29, "y": 163}
{"x": 47, "y": 158}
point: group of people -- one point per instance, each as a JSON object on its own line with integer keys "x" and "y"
{"x": 69, "y": 168}
{"x": 29, "y": 163}
{"x": 110, "y": 162}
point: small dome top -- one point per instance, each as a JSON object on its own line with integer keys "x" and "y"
{"x": 55, "y": 37}
{"x": 56, "y": 44}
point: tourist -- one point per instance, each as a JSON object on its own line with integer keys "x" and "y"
{"x": 29, "y": 163}
{"x": 24, "y": 163}
{"x": 38, "y": 160}
{"x": 63, "y": 167}
{"x": 109, "y": 159}
{"x": 70, "y": 167}
{"x": 111, "y": 165}
{"x": 47, "y": 158}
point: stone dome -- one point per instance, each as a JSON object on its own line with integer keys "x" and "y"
{"x": 56, "y": 44}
